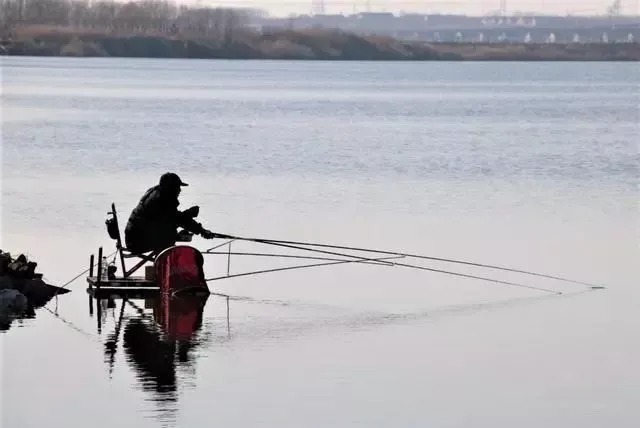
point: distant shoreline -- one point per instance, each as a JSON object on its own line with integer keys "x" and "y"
{"x": 298, "y": 45}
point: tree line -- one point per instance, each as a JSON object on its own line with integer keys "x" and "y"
{"x": 133, "y": 17}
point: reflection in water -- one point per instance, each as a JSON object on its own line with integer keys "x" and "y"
{"x": 20, "y": 297}
{"x": 7, "y": 316}
{"x": 157, "y": 341}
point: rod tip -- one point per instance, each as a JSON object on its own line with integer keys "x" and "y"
{"x": 598, "y": 287}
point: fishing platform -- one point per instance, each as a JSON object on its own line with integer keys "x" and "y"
{"x": 178, "y": 269}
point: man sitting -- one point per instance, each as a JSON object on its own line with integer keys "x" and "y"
{"x": 154, "y": 222}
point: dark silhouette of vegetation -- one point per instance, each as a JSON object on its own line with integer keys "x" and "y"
{"x": 144, "y": 17}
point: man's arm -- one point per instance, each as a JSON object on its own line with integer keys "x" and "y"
{"x": 187, "y": 222}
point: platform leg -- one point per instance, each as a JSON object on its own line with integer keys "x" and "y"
{"x": 99, "y": 317}
{"x": 100, "y": 267}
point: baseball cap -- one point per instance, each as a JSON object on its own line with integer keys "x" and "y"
{"x": 170, "y": 178}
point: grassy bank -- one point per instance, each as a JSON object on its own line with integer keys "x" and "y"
{"x": 303, "y": 45}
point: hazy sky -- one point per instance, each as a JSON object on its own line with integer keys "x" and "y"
{"x": 472, "y": 7}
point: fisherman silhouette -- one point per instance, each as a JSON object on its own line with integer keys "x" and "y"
{"x": 154, "y": 222}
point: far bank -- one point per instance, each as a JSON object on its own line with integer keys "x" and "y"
{"x": 298, "y": 45}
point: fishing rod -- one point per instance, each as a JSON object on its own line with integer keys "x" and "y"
{"x": 361, "y": 259}
{"x": 463, "y": 275}
{"x": 303, "y": 267}
{"x": 286, "y": 256}
{"x": 423, "y": 257}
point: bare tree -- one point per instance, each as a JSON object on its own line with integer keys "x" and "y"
{"x": 10, "y": 16}
{"x": 132, "y": 17}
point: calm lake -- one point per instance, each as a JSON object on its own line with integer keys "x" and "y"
{"x": 528, "y": 165}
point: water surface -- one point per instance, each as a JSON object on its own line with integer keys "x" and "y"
{"x": 519, "y": 164}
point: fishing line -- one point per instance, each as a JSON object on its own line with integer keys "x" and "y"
{"x": 72, "y": 326}
{"x": 55, "y": 314}
{"x": 85, "y": 271}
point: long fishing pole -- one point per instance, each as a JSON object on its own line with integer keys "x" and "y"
{"x": 418, "y": 256}
{"x": 301, "y": 267}
{"x": 360, "y": 258}
{"x": 285, "y": 256}
{"x": 463, "y": 275}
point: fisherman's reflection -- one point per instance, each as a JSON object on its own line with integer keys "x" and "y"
{"x": 156, "y": 343}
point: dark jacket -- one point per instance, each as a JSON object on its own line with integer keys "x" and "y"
{"x": 154, "y": 222}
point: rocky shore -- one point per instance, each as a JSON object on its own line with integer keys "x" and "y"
{"x": 22, "y": 290}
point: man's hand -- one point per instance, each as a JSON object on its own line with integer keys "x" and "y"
{"x": 192, "y": 212}
{"x": 207, "y": 234}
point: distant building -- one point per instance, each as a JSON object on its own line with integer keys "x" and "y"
{"x": 449, "y": 28}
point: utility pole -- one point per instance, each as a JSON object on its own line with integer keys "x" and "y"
{"x": 318, "y": 7}
{"x": 615, "y": 9}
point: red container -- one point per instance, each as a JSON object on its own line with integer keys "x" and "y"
{"x": 179, "y": 270}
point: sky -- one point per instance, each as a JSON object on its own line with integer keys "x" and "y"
{"x": 470, "y": 7}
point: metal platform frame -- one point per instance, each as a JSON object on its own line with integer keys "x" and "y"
{"x": 127, "y": 285}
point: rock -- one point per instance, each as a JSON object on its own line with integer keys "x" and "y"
{"x": 22, "y": 289}
{"x": 19, "y": 274}
{"x": 5, "y": 260}
{"x": 37, "y": 292}
{"x": 13, "y": 304}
